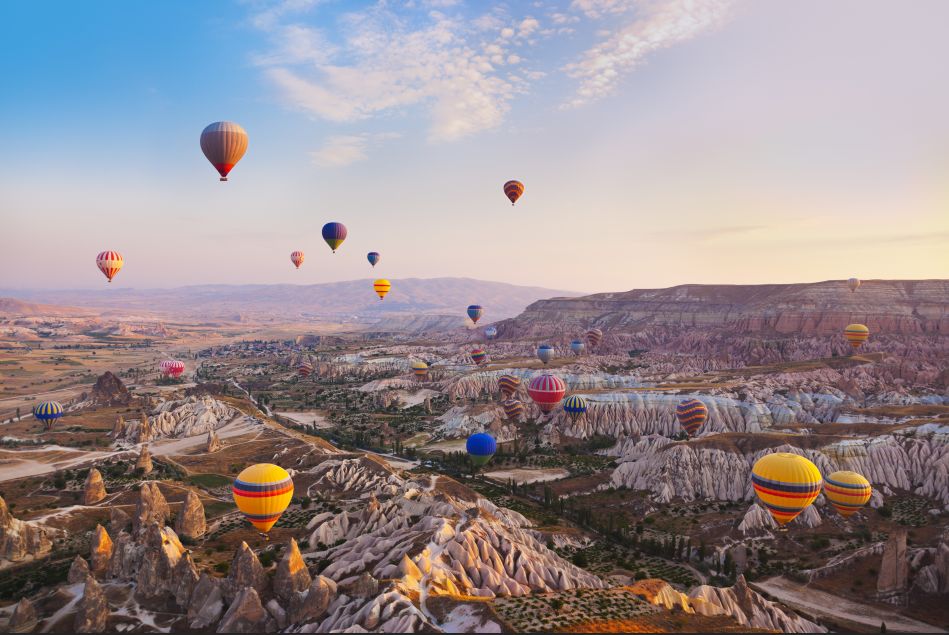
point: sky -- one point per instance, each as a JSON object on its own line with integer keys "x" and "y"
{"x": 661, "y": 142}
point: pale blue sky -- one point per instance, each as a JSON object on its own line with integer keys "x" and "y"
{"x": 660, "y": 141}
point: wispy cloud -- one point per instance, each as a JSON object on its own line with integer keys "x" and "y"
{"x": 343, "y": 150}
{"x": 657, "y": 24}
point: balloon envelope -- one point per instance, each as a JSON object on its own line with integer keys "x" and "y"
{"x": 786, "y": 484}
{"x": 381, "y": 287}
{"x": 305, "y": 368}
{"x": 575, "y": 406}
{"x": 513, "y": 190}
{"x": 48, "y": 412}
{"x": 297, "y": 258}
{"x": 109, "y": 263}
{"x": 576, "y": 346}
{"x": 172, "y": 368}
{"x": 513, "y": 408}
{"x": 224, "y": 143}
{"x": 373, "y": 257}
{"x": 474, "y": 312}
{"x": 545, "y": 352}
{"x": 420, "y": 369}
{"x": 547, "y": 391}
{"x": 490, "y": 332}
{"x": 481, "y": 447}
{"x": 479, "y": 356}
{"x": 508, "y": 385}
{"x": 262, "y": 492}
{"x": 856, "y": 334}
{"x": 853, "y": 284}
{"x": 692, "y": 415}
{"x": 594, "y": 336}
{"x": 847, "y": 491}
{"x": 334, "y": 234}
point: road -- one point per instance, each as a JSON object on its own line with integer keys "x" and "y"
{"x": 822, "y": 604}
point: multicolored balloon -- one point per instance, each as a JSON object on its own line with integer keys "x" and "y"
{"x": 508, "y": 385}
{"x": 786, "y": 484}
{"x": 475, "y": 311}
{"x": 547, "y": 391}
{"x": 854, "y": 284}
{"x": 171, "y": 368}
{"x": 847, "y": 491}
{"x": 420, "y": 369}
{"x": 594, "y": 336}
{"x": 334, "y": 234}
{"x": 381, "y": 287}
{"x": 513, "y": 190}
{"x": 575, "y": 406}
{"x": 479, "y": 356}
{"x": 305, "y": 368}
{"x": 692, "y": 415}
{"x": 373, "y": 257}
{"x": 545, "y": 352}
{"x": 223, "y": 143}
{"x": 262, "y": 492}
{"x": 481, "y": 447}
{"x": 856, "y": 334}
{"x": 577, "y": 347}
{"x": 296, "y": 258}
{"x": 513, "y": 409}
{"x": 48, "y": 412}
{"x": 110, "y": 263}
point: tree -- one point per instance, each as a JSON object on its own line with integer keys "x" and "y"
{"x": 17, "y": 414}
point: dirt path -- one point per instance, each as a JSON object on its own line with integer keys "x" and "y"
{"x": 832, "y": 607}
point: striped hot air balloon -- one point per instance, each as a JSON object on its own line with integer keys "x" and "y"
{"x": 297, "y": 258}
{"x": 692, "y": 415}
{"x": 479, "y": 356}
{"x": 305, "y": 368}
{"x": 594, "y": 337}
{"x": 262, "y": 492}
{"x": 508, "y": 385}
{"x": 420, "y": 369}
{"x": 853, "y": 284}
{"x": 475, "y": 311}
{"x": 576, "y": 346}
{"x": 786, "y": 484}
{"x": 856, "y": 334}
{"x": 547, "y": 391}
{"x": 513, "y": 409}
{"x": 334, "y": 234}
{"x": 490, "y": 332}
{"x": 545, "y": 352}
{"x": 513, "y": 190}
{"x": 481, "y": 447}
{"x": 847, "y": 491}
{"x": 171, "y": 368}
{"x": 575, "y": 406}
{"x": 381, "y": 287}
{"x": 48, "y": 412}
{"x": 223, "y": 143}
{"x": 373, "y": 257}
{"x": 109, "y": 263}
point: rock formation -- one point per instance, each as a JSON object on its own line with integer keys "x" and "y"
{"x": 214, "y": 443}
{"x": 934, "y": 578}
{"x": 92, "y": 610}
{"x": 185, "y": 578}
{"x": 109, "y": 391}
{"x": 94, "y": 489}
{"x": 24, "y": 617}
{"x": 118, "y": 430}
{"x": 191, "y": 521}
{"x": 118, "y": 519}
{"x": 894, "y": 568}
{"x": 247, "y": 615}
{"x": 144, "y": 462}
{"x": 312, "y": 604}
{"x": 21, "y": 539}
{"x": 207, "y": 603}
{"x": 180, "y": 418}
{"x": 100, "y": 552}
{"x": 292, "y": 576}
{"x": 245, "y": 571}
{"x": 152, "y": 507}
{"x": 78, "y": 571}
{"x": 749, "y": 608}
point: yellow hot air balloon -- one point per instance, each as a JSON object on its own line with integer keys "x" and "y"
{"x": 856, "y": 334}
{"x": 262, "y": 492}
{"x": 786, "y": 484}
{"x": 847, "y": 491}
{"x": 853, "y": 284}
{"x": 420, "y": 369}
{"x": 382, "y": 287}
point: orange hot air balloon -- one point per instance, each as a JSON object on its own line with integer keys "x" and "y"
{"x": 223, "y": 143}
{"x": 513, "y": 190}
{"x": 382, "y": 287}
{"x": 110, "y": 263}
{"x": 856, "y": 334}
{"x": 297, "y": 258}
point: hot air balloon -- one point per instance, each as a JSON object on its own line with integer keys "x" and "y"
{"x": 373, "y": 257}
{"x": 262, "y": 492}
{"x": 593, "y": 337}
{"x": 786, "y": 484}
{"x": 474, "y": 312}
{"x": 490, "y": 332}
{"x": 854, "y": 284}
{"x": 334, "y": 234}
{"x": 48, "y": 412}
{"x": 691, "y": 414}
{"x": 513, "y": 409}
{"x": 420, "y": 369}
{"x": 297, "y": 258}
{"x": 382, "y": 287}
{"x": 224, "y": 143}
{"x": 171, "y": 368}
{"x": 479, "y": 356}
{"x": 481, "y": 447}
{"x": 575, "y": 406}
{"x": 110, "y": 263}
{"x": 305, "y": 368}
{"x": 508, "y": 385}
{"x": 847, "y": 491}
{"x": 576, "y": 346}
{"x": 546, "y": 390}
{"x": 513, "y": 190}
{"x": 545, "y": 352}
{"x": 856, "y": 334}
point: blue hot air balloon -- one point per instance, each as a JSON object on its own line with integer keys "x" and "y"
{"x": 490, "y": 332}
{"x": 48, "y": 412}
{"x": 334, "y": 234}
{"x": 577, "y": 346}
{"x": 373, "y": 257}
{"x": 575, "y": 406}
{"x": 545, "y": 352}
{"x": 481, "y": 447}
{"x": 475, "y": 312}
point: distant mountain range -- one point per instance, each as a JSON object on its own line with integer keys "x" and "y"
{"x": 353, "y": 300}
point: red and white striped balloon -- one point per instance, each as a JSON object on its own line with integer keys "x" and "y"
{"x": 547, "y": 391}
{"x": 109, "y": 263}
{"x": 171, "y": 368}
{"x": 297, "y": 258}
